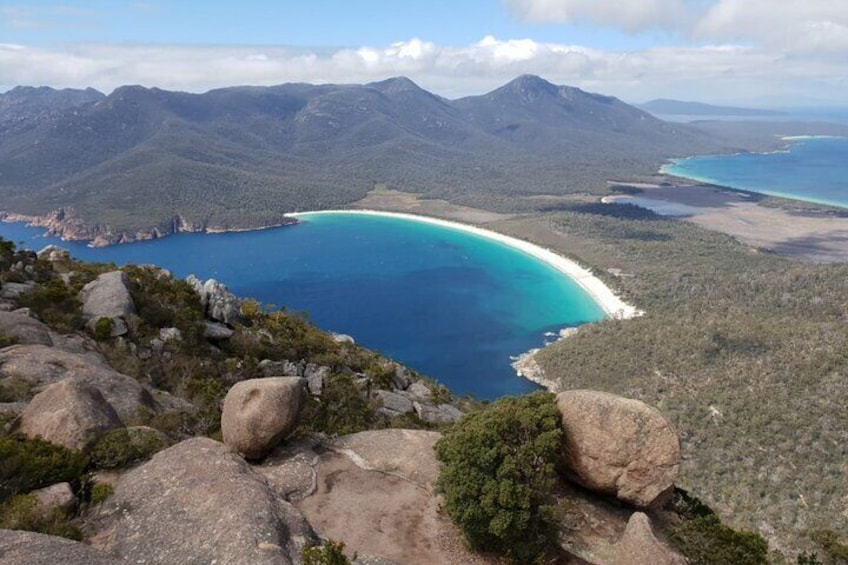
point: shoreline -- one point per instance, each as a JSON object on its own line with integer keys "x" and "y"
{"x": 603, "y": 296}
{"x": 666, "y": 170}
{"x": 525, "y": 365}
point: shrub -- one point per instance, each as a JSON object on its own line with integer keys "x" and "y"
{"x": 16, "y": 389}
{"x": 7, "y": 340}
{"x": 122, "y": 448}
{"x": 834, "y": 550}
{"x": 498, "y": 472}
{"x": 706, "y": 541}
{"x": 22, "y": 512}
{"x": 331, "y": 553}
{"x": 55, "y": 304}
{"x": 103, "y": 328}
{"x": 29, "y": 464}
{"x": 100, "y": 492}
{"x": 341, "y": 409}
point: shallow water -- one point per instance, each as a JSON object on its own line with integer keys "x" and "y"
{"x": 454, "y": 306}
{"x": 814, "y": 169}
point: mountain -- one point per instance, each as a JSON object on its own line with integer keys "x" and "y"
{"x": 142, "y": 162}
{"x": 681, "y": 108}
{"x": 26, "y": 103}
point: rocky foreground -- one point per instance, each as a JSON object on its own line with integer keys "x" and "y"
{"x": 280, "y": 472}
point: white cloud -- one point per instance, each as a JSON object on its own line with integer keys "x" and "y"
{"x": 788, "y": 25}
{"x": 629, "y": 15}
{"x": 709, "y": 73}
{"x": 808, "y": 25}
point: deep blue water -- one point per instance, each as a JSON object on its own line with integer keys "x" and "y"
{"x": 452, "y": 305}
{"x": 813, "y": 169}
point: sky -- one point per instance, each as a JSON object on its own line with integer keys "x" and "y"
{"x": 755, "y": 52}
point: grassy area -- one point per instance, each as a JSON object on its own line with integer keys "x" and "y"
{"x": 746, "y": 352}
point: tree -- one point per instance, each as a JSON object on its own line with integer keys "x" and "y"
{"x": 499, "y": 469}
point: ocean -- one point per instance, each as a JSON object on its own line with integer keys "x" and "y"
{"x": 813, "y": 169}
{"x": 452, "y": 305}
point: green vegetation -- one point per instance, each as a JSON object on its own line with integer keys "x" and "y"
{"x": 331, "y": 553}
{"x": 30, "y": 464}
{"x": 55, "y": 304}
{"x": 744, "y": 351}
{"x": 122, "y": 448}
{"x": 245, "y": 161}
{"x": 16, "y": 389}
{"x": 704, "y": 540}
{"x": 498, "y": 473}
{"x": 6, "y": 340}
{"x": 22, "y": 512}
{"x": 100, "y": 492}
{"x": 833, "y": 550}
{"x": 103, "y": 329}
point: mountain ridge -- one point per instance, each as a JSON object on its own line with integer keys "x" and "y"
{"x": 127, "y": 164}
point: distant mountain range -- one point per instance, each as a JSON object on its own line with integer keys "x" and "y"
{"x": 682, "y": 108}
{"x": 144, "y": 162}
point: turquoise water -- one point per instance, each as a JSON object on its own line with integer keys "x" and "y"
{"x": 813, "y": 169}
{"x": 452, "y": 305}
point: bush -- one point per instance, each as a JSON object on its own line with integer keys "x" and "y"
{"x": 7, "y": 340}
{"x": 706, "y": 541}
{"x": 22, "y": 512}
{"x": 16, "y": 389}
{"x": 29, "y": 464}
{"x": 834, "y": 550}
{"x": 498, "y": 472}
{"x": 103, "y": 328}
{"x": 55, "y": 304}
{"x": 122, "y": 448}
{"x": 341, "y": 409}
{"x": 100, "y": 492}
{"x": 331, "y": 553}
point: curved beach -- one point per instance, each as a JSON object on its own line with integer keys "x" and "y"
{"x": 611, "y": 304}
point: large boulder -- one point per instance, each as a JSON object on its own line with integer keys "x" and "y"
{"x": 198, "y": 502}
{"x": 58, "y": 257}
{"x": 639, "y": 546}
{"x": 42, "y": 366}
{"x": 258, "y": 413}
{"x": 24, "y": 329}
{"x": 618, "y": 446}
{"x": 375, "y": 491}
{"x": 218, "y": 302}
{"x": 55, "y": 498}
{"x": 29, "y": 548}
{"x": 107, "y": 296}
{"x": 70, "y": 413}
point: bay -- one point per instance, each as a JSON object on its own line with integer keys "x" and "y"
{"x": 813, "y": 169}
{"x": 453, "y": 305}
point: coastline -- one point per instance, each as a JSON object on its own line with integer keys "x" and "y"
{"x": 668, "y": 169}
{"x": 611, "y": 304}
{"x": 524, "y": 364}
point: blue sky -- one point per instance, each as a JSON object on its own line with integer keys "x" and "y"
{"x": 769, "y": 51}
{"x": 327, "y": 23}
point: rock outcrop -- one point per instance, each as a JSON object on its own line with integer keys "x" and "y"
{"x": 618, "y": 446}
{"x": 59, "y": 497}
{"x": 258, "y": 413}
{"x": 29, "y": 548}
{"x": 41, "y": 366}
{"x": 218, "y": 302}
{"x": 24, "y": 329}
{"x": 108, "y": 296}
{"x": 374, "y": 492}
{"x": 198, "y": 502}
{"x": 70, "y": 413}
{"x": 639, "y": 546}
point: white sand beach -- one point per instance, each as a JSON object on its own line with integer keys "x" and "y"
{"x": 611, "y": 304}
